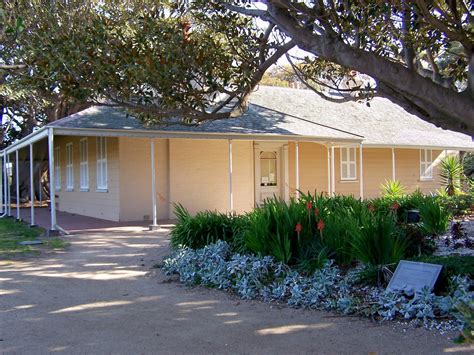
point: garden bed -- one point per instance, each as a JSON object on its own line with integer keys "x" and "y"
{"x": 329, "y": 288}
{"x": 329, "y": 253}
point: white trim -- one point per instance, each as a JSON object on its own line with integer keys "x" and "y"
{"x": 361, "y": 165}
{"x": 297, "y": 157}
{"x": 8, "y": 186}
{"x": 329, "y": 170}
{"x": 69, "y": 167}
{"x": 2, "y": 209}
{"x": 102, "y": 182}
{"x": 286, "y": 171}
{"x": 51, "y": 178}
{"x": 231, "y": 194}
{"x": 348, "y": 163}
{"x": 29, "y": 139}
{"x": 17, "y": 178}
{"x": 153, "y": 185}
{"x": 426, "y": 165}
{"x": 84, "y": 164}
{"x": 333, "y": 174}
{"x": 32, "y": 187}
{"x": 393, "y": 165}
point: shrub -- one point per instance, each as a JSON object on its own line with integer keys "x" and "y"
{"x": 393, "y": 189}
{"x": 434, "y": 218}
{"x": 417, "y": 241}
{"x": 271, "y": 229}
{"x": 456, "y": 205}
{"x": 379, "y": 243}
{"x": 255, "y": 277}
{"x": 205, "y": 228}
{"x": 453, "y": 265}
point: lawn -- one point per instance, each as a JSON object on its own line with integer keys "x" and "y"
{"x": 13, "y": 232}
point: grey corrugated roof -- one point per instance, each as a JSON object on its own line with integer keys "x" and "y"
{"x": 291, "y": 112}
{"x": 383, "y": 123}
{"x": 256, "y": 121}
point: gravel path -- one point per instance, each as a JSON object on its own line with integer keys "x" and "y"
{"x": 102, "y": 296}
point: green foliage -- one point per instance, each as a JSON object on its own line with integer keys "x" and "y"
{"x": 379, "y": 243}
{"x": 205, "y": 228}
{"x": 466, "y": 315}
{"x": 158, "y": 59}
{"x": 393, "y": 189}
{"x": 417, "y": 240}
{"x": 271, "y": 229}
{"x": 456, "y": 205}
{"x": 450, "y": 172}
{"x": 434, "y": 218}
{"x": 453, "y": 265}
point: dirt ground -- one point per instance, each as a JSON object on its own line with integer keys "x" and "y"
{"x": 102, "y": 296}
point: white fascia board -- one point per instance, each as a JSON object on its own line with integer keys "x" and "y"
{"x": 412, "y": 146}
{"x": 196, "y": 135}
{"x": 34, "y": 137}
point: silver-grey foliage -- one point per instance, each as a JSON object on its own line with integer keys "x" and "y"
{"x": 254, "y": 277}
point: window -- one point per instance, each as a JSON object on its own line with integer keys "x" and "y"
{"x": 69, "y": 171}
{"x": 268, "y": 168}
{"x": 84, "y": 164}
{"x": 57, "y": 168}
{"x": 348, "y": 164}
{"x": 426, "y": 164}
{"x": 101, "y": 163}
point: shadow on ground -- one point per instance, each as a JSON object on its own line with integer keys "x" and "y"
{"x": 102, "y": 296}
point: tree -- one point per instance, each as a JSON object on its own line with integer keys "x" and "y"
{"x": 420, "y": 53}
{"x": 162, "y": 60}
{"x": 195, "y": 60}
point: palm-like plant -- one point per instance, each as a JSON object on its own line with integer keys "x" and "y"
{"x": 393, "y": 189}
{"x": 450, "y": 172}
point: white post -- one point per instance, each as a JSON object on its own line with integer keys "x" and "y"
{"x": 17, "y": 178}
{"x": 297, "y": 163}
{"x": 154, "y": 226}
{"x": 40, "y": 185}
{"x": 52, "y": 185}
{"x": 393, "y": 164}
{"x": 333, "y": 175}
{"x": 329, "y": 171}
{"x": 231, "y": 194}
{"x": 9, "y": 197}
{"x": 32, "y": 188}
{"x": 287, "y": 173}
{"x": 1, "y": 187}
{"x": 361, "y": 180}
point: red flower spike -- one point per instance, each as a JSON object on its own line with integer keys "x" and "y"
{"x": 395, "y": 206}
{"x": 321, "y": 225}
{"x": 309, "y": 205}
{"x": 298, "y": 227}
{"x": 316, "y": 212}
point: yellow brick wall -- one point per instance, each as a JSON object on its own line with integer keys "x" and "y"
{"x": 104, "y": 205}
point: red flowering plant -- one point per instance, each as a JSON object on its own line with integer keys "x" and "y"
{"x": 320, "y": 227}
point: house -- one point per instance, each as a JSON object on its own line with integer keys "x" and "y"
{"x": 106, "y": 164}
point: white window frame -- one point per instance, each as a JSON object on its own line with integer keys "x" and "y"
{"x": 102, "y": 173}
{"x": 348, "y": 163}
{"x": 84, "y": 164}
{"x": 57, "y": 168}
{"x": 69, "y": 167}
{"x": 426, "y": 164}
